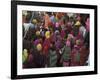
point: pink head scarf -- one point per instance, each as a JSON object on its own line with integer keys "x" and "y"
{"x": 68, "y": 43}
{"x": 57, "y": 25}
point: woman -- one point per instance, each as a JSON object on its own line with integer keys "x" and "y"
{"x": 52, "y": 56}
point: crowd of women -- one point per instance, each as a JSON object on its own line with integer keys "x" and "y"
{"x": 55, "y": 39}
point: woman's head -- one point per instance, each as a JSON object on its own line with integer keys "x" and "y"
{"x": 39, "y": 47}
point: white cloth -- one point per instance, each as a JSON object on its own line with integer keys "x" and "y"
{"x": 82, "y": 30}
{"x": 26, "y": 28}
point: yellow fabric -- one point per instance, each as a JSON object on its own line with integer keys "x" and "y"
{"x": 77, "y": 42}
{"x": 39, "y": 47}
{"x": 34, "y": 21}
{"x": 24, "y": 55}
{"x": 47, "y": 34}
{"x": 37, "y": 33}
{"x": 77, "y": 23}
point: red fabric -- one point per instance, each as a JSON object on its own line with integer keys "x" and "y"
{"x": 83, "y": 55}
{"x": 73, "y": 58}
{"x": 47, "y": 20}
{"x": 46, "y": 46}
{"x": 62, "y": 33}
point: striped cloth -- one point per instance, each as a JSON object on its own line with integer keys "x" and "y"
{"x": 52, "y": 58}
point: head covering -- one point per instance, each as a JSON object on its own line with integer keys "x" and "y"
{"x": 69, "y": 24}
{"x": 24, "y": 13}
{"x": 77, "y": 42}
{"x": 39, "y": 47}
{"x": 77, "y": 23}
{"x": 37, "y": 33}
{"x": 47, "y": 34}
{"x": 68, "y": 43}
{"x": 78, "y": 17}
{"x": 70, "y": 36}
{"x": 76, "y": 47}
{"x": 57, "y": 32}
{"x": 25, "y": 50}
{"x": 36, "y": 42}
{"x": 25, "y": 55}
{"x": 57, "y": 24}
{"x": 34, "y": 21}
